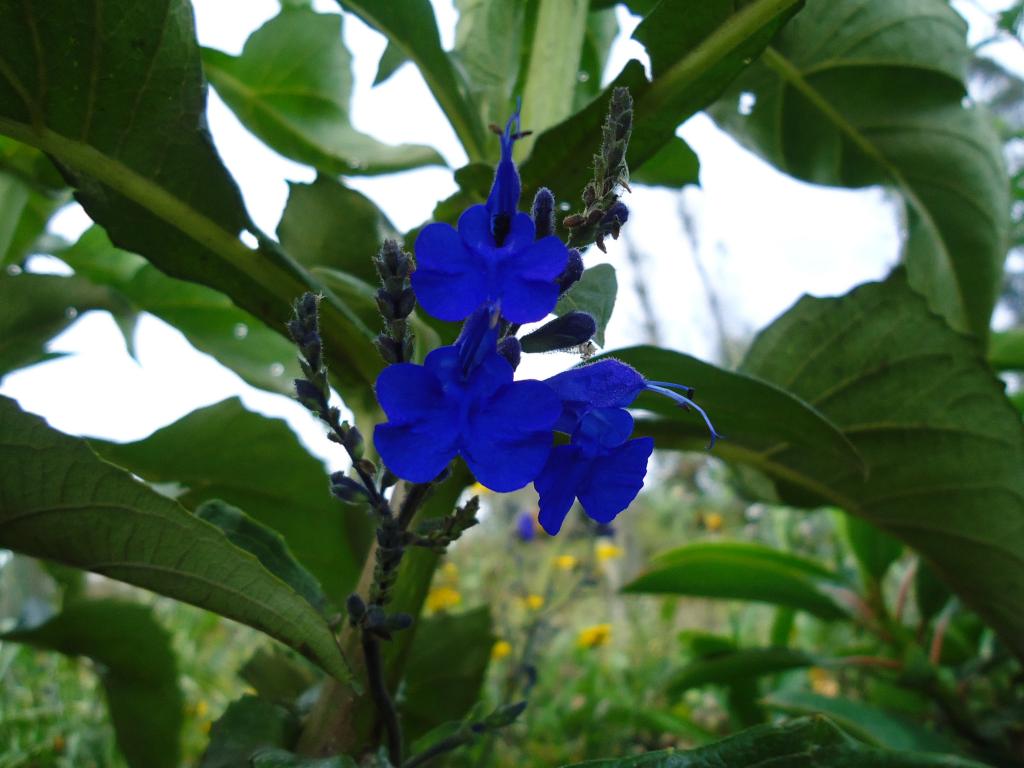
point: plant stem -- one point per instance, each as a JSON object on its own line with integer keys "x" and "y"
{"x": 381, "y": 697}
{"x": 445, "y": 745}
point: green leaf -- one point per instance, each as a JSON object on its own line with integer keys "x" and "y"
{"x": 267, "y": 545}
{"x": 874, "y": 549}
{"x": 757, "y": 418}
{"x": 675, "y": 165}
{"x": 1006, "y": 350}
{"x": 449, "y": 653}
{"x": 292, "y": 86}
{"x": 942, "y": 445}
{"x": 601, "y": 30}
{"x": 248, "y": 725}
{"x": 594, "y": 293}
{"x": 742, "y": 571}
{"x": 277, "y": 675}
{"x": 932, "y": 594}
{"x": 853, "y": 94}
{"x": 411, "y": 26}
{"x": 802, "y": 743}
{"x": 255, "y": 463}
{"x": 128, "y": 130}
{"x": 868, "y": 723}
{"x": 35, "y": 308}
{"x": 389, "y": 62}
{"x": 133, "y": 658}
{"x": 737, "y": 666}
{"x": 207, "y": 318}
{"x": 488, "y": 47}
{"x": 59, "y": 501}
{"x": 708, "y": 50}
{"x": 312, "y": 229}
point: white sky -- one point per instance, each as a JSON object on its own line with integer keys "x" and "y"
{"x": 764, "y": 238}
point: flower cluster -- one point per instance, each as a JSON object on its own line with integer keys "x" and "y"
{"x": 498, "y": 269}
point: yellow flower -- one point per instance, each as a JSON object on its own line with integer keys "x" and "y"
{"x": 595, "y": 636}
{"x": 534, "y": 602}
{"x": 450, "y": 570}
{"x": 713, "y": 522}
{"x": 202, "y": 709}
{"x": 566, "y": 562}
{"x": 479, "y": 490}
{"x": 605, "y": 551}
{"x": 500, "y": 650}
{"x": 442, "y": 598}
{"x": 823, "y": 683}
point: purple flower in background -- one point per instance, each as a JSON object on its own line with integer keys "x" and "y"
{"x": 526, "y": 528}
{"x": 463, "y": 402}
{"x": 601, "y": 467}
{"x": 493, "y": 257}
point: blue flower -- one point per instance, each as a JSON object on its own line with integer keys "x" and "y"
{"x": 601, "y": 467}
{"x": 463, "y": 402}
{"x": 609, "y": 383}
{"x": 525, "y": 529}
{"x": 493, "y": 258}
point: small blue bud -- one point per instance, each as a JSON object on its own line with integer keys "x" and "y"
{"x": 511, "y": 349}
{"x": 544, "y": 212}
{"x": 573, "y": 271}
{"x": 569, "y": 330}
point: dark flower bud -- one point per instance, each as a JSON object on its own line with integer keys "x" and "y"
{"x": 574, "y": 220}
{"x": 354, "y": 442}
{"x": 386, "y": 304}
{"x": 389, "y": 349}
{"x": 505, "y": 715}
{"x": 405, "y": 302}
{"x": 573, "y": 271}
{"x": 387, "y": 478}
{"x": 544, "y": 212}
{"x": 392, "y": 261}
{"x": 367, "y": 466}
{"x": 356, "y": 608}
{"x": 511, "y": 350}
{"x": 569, "y": 330}
{"x": 347, "y": 489}
{"x": 309, "y": 395}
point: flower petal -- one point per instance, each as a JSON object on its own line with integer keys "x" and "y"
{"x": 409, "y": 392}
{"x": 475, "y": 229}
{"x": 449, "y": 281}
{"x": 507, "y": 439}
{"x": 603, "y": 428}
{"x": 521, "y": 234}
{"x": 557, "y": 485}
{"x": 418, "y": 451}
{"x": 615, "y": 479}
{"x": 525, "y": 301}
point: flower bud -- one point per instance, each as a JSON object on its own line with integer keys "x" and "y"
{"x": 511, "y": 349}
{"x": 573, "y": 271}
{"x": 570, "y": 330}
{"x": 347, "y": 489}
{"x": 544, "y": 212}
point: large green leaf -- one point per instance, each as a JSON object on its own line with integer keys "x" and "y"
{"x": 594, "y": 293}
{"x": 411, "y": 27}
{"x": 207, "y": 318}
{"x": 267, "y": 545}
{"x": 113, "y": 91}
{"x": 136, "y": 666}
{"x": 757, "y": 418}
{"x": 942, "y": 444}
{"x": 488, "y": 46}
{"x": 292, "y": 86}
{"x": 31, "y": 190}
{"x": 247, "y": 726}
{"x": 326, "y": 224}
{"x": 703, "y": 47}
{"x": 450, "y": 653}
{"x": 60, "y": 501}
{"x": 255, "y": 463}
{"x": 742, "y": 571}
{"x": 35, "y": 308}
{"x": 802, "y": 743}
{"x": 859, "y": 92}
{"x": 865, "y": 721}
{"x": 1006, "y": 350}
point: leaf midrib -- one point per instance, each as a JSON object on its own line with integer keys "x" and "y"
{"x": 788, "y": 71}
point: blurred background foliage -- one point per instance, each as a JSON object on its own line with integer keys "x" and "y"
{"x": 738, "y": 592}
